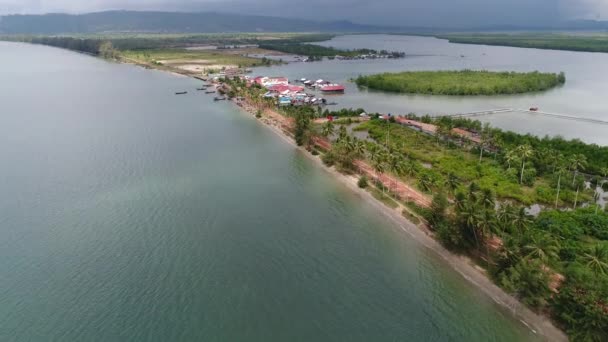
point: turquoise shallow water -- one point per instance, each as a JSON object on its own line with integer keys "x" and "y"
{"x": 132, "y": 214}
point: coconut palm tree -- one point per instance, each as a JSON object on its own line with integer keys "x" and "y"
{"x": 426, "y": 183}
{"x": 542, "y": 246}
{"x": 578, "y": 162}
{"x": 506, "y": 217}
{"x": 579, "y": 185}
{"x": 410, "y": 169}
{"x": 524, "y": 151}
{"x": 380, "y": 166}
{"x": 487, "y": 199}
{"x": 510, "y": 157}
{"x": 394, "y": 164}
{"x": 522, "y": 220}
{"x": 486, "y": 139}
{"x": 452, "y": 182}
{"x": 560, "y": 171}
{"x": 342, "y": 133}
{"x": 596, "y": 199}
{"x": 470, "y": 216}
{"x": 328, "y": 129}
{"x": 597, "y": 259}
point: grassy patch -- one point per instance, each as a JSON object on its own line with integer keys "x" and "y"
{"x": 384, "y": 198}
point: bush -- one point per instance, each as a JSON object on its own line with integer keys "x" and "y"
{"x": 329, "y": 159}
{"x": 362, "y": 183}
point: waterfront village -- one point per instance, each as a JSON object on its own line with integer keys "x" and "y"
{"x": 284, "y": 94}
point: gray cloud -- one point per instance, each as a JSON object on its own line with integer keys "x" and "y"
{"x": 394, "y": 12}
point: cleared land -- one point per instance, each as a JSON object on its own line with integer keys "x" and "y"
{"x": 466, "y": 82}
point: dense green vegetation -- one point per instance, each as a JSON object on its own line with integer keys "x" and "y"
{"x": 466, "y": 82}
{"x": 312, "y": 50}
{"x": 590, "y": 43}
{"x": 129, "y": 42}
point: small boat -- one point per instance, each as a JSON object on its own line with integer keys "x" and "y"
{"x": 202, "y": 88}
{"x": 181, "y": 93}
{"x": 219, "y": 98}
{"x": 210, "y": 92}
{"x": 534, "y": 109}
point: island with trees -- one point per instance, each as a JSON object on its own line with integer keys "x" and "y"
{"x": 482, "y": 184}
{"x": 461, "y": 83}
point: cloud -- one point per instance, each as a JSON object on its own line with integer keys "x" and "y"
{"x": 395, "y": 12}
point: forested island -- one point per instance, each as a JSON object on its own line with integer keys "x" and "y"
{"x": 462, "y": 83}
{"x": 481, "y": 182}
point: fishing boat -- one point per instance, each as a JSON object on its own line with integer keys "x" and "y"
{"x": 333, "y": 88}
{"x": 181, "y": 93}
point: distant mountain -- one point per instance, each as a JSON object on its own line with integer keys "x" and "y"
{"x": 169, "y": 22}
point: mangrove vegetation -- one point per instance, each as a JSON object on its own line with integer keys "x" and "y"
{"x": 462, "y": 83}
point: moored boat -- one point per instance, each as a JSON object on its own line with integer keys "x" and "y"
{"x": 333, "y": 88}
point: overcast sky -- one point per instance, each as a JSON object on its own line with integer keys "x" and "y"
{"x": 396, "y": 12}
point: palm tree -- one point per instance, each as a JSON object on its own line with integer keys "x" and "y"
{"x": 460, "y": 200}
{"x": 342, "y": 133}
{"x": 542, "y": 246}
{"x": 597, "y": 259}
{"x": 472, "y": 192}
{"x": 596, "y": 199}
{"x": 510, "y": 157}
{"x": 507, "y": 214}
{"x": 394, "y": 164}
{"x": 452, "y": 182}
{"x": 486, "y": 221}
{"x": 410, "y": 169}
{"x": 560, "y": 170}
{"x": 487, "y": 199}
{"x": 328, "y": 129}
{"x": 525, "y": 151}
{"x": 486, "y": 139}
{"x": 522, "y": 220}
{"x": 359, "y": 147}
{"x": 380, "y": 167}
{"x": 426, "y": 182}
{"x": 579, "y": 184}
{"x": 470, "y": 217}
{"x": 578, "y": 162}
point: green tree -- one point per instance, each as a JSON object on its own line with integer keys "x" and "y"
{"x": 597, "y": 259}
{"x": 328, "y": 129}
{"x": 541, "y": 246}
{"x": 452, "y": 182}
{"x": 578, "y": 162}
{"x": 525, "y": 152}
{"x": 560, "y": 171}
{"x": 302, "y": 128}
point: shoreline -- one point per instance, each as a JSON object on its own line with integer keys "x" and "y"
{"x": 540, "y": 325}
{"x": 464, "y": 266}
